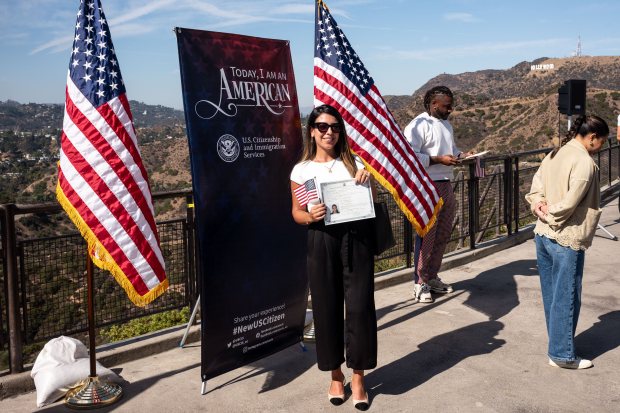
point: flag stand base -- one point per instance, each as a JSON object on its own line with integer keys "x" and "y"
{"x": 93, "y": 393}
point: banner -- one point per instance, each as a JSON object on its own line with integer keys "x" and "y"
{"x": 244, "y": 132}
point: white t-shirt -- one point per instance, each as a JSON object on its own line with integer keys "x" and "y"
{"x": 430, "y": 136}
{"x": 322, "y": 172}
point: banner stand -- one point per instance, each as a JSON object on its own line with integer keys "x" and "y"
{"x": 190, "y": 322}
{"x": 203, "y": 387}
{"x": 612, "y": 236}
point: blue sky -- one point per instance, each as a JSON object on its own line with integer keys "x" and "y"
{"x": 403, "y": 43}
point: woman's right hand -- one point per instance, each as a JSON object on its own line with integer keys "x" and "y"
{"x": 448, "y": 160}
{"x": 317, "y": 212}
{"x": 541, "y": 210}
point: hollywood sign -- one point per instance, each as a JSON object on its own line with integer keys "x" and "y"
{"x": 548, "y": 66}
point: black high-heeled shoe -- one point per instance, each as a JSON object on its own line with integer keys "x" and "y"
{"x": 362, "y": 404}
{"x": 338, "y": 399}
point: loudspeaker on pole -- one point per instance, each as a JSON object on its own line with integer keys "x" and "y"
{"x": 572, "y": 97}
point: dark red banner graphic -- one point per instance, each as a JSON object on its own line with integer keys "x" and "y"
{"x": 244, "y": 134}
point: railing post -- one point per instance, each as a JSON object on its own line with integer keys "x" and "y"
{"x": 508, "y": 194}
{"x": 598, "y": 158}
{"x": 609, "y": 163}
{"x": 461, "y": 181}
{"x": 16, "y": 343}
{"x": 191, "y": 250}
{"x": 408, "y": 235}
{"x": 472, "y": 194}
{"x": 516, "y": 193}
{"x": 3, "y": 337}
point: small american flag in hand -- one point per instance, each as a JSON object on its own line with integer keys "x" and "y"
{"x": 479, "y": 172}
{"x": 306, "y": 192}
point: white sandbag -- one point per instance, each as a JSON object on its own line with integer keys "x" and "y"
{"x": 61, "y": 365}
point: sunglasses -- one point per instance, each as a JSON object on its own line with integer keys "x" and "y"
{"x": 323, "y": 127}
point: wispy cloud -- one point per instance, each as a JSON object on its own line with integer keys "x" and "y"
{"x": 59, "y": 44}
{"x": 607, "y": 46}
{"x": 143, "y": 10}
{"x": 13, "y": 37}
{"x": 469, "y": 51}
{"x": 305, "y": 9}
{"x": 460, "y": 17}
{"x": 132, "y": 29}
{"x": 138, "y": 17}
{"x": 231, "y": 12}
{"x": 123, "y": 26}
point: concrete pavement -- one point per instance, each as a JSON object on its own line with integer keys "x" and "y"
{"x": 479, "y": 349}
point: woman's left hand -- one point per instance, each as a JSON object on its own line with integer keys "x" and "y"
{"x": 541, "y": 210}
{"x": 362, "y": 176}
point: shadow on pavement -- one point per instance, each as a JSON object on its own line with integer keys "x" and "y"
{"x": 281, "y": 368}
{"x": 419, "y": 309}
{"x": 434, "y": 357}
{"x": 494, "y": 292}
{"x": 603, "y": 336}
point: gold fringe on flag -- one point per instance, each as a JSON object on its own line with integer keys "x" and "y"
{"x": 421, "y": 231}
{"x": 102, "y": 258}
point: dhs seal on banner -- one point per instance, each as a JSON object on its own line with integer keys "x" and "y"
{"x": 228, "y": 148}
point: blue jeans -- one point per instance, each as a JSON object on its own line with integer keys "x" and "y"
{"x": 561, "y": 272}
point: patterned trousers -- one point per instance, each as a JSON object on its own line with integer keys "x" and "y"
{"x": 435, "y": 241}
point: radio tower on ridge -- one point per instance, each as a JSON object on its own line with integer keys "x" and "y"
{"x": 578, "y": 51}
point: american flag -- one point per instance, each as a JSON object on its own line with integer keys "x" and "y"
{"x": 306, "y": 192}
{"x": 342, "y": 81}
{"x": 479, "y": 169}
{"x": 102, "y": 183}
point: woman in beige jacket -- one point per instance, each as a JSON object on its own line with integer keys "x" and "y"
{"x": 565, "y": 196}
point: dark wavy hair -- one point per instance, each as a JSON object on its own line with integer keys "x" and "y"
{"x": 342, "y": 146}
{"x": 583, "y": 126}
{"x": 433, "y": 92}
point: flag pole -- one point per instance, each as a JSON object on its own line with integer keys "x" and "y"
{"x": 90, "y": 278}
{"x": 92, "y": 392}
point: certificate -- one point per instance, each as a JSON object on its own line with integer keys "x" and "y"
{"x": 347, "y": 201}
{"x": 476, "y": 155}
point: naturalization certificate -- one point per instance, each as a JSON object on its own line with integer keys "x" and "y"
{"x": 347, "y": 201}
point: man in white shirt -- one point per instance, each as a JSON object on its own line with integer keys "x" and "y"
{"x": 432, "y": 138}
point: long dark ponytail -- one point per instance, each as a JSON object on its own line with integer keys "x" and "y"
{"x": 583, "y": 126}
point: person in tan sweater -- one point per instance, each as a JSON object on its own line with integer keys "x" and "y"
{"x": 565, "y": 196}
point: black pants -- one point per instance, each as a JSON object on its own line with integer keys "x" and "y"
{"x": 341, "y": 270}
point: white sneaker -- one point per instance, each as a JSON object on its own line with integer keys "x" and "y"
{"x": 577, "y": 364}
{"x": 438, "y": 286}
{"x": 422, "y": 293}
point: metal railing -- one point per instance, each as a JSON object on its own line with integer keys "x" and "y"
{"x": 43, "y": 284}
{"x": 45, "y": 287}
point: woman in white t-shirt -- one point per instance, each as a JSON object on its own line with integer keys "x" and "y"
{"x": 340, "y": 258}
